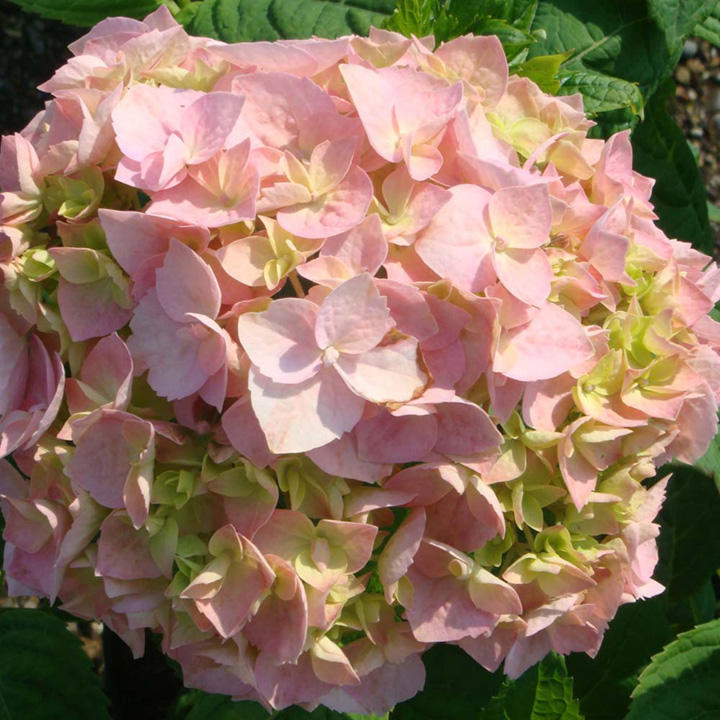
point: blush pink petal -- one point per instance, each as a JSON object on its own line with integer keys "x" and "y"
{"x": 123, "y": 552}
{"x": 335, "y": 212}
{"x": 301, "y": 417}
{"x": 362, "y": 249}
{"x": 90, "y": 310}
{"x": 549, "y": 345}
{"x": 106, "y": 375}
{"x": 279, "y": 107}
{"x": 386, "y": 438}
{"x": 442, "y": 611}
{"x": 286, "y": 608}
{"x": 207, "y": 123}
{"x": 244, "y": 432}
{"x": 387, "y": 373}
{"x": 353, "y": 318}
{"x": 464, "y": 429}
{"x": 521, "y": 215}
{"x": 279, "y": 341}
{"x": 185, "y": 284}
{"x": 456, "y": 244}
{"x": 243, "y": 584}
{"x": 181, "y": 357}
{"x": 398, "y": 554}
{"x": 342, "y": 457}
{"x": 525, "y": 274}
{"x": 479, "y": 61}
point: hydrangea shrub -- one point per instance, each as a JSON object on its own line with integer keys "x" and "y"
{"x": 317, "y": 353}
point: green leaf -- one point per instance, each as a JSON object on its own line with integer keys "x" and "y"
{"x": 709, "y": 463}
{"x": 44, "y": 673}
{"x": 713, "y": 212}
{"x": 251, "y": 20}
{"x": 689, "y": 542}
{"x": 510, "y": 20}
{"x": 456, "y": 687}
{"x": 677, "y": 18}
{"x": 703, "y": 603}
{"x": 545, "y": 692}
{"x": 602, "y": 93}
{"x": 543, "y": 70}
{"x": 603, "y": 684}
{"x": 660, "y": 151}
{"x": 417, "y": 17}
{"x": 88, "y": 12}
{"x": 709, "y": 28}
{"x": 198, "y": 705}
{"x": 681, "y": 683}
{"x": 615, "y": 38}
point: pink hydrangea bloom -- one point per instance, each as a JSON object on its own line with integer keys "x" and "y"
{"x": 315, "y": 353}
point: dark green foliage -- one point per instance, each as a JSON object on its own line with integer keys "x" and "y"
{"x": 603, "y": 684}
{"x": 689, "y": 543}
{"x": 682, "y": 682}
{"x": 544, "y": 692}
{"x": 252, "y": 20}
{"x": 661, "y": 151}
{"x": 44, "y": 673}
{"x": 456, "y": 687}
{"x": 88, "y": 12}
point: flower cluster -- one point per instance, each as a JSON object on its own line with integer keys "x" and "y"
{"x": 315, "y": 353}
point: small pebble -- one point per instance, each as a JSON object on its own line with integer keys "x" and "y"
{"x": 713, "y": 99}
{"x": 690, "y": 49}
{"x": 682, "y": 75}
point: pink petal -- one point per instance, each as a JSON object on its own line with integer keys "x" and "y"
{"x": 550, "y": 344}
{"x": 387, "y": 373}
{"x": 298, "y": 418}
{"x": 464, "y": 429}
{"x": 398, "y": 554}
{"x": 363, "y": 249}
{"x": 243, "y": 584}
{"x": 185, "y": 284}
{"x": 286, "y": 534}
{"x": 280, "y": 340}
{"x": 342, "y": 458}
{"x": 279, "y": 106}
{"x": 123, "y": 551}
{"x": 287, "y": 611}
{"x": 456, "y": 243}
{"x": 480, "y": 61}
{"x": 335, "y": 212}
{"x": 442, "y": 610}
{"x": 353, "y": 318}
{"x": 90, "y": 310}
{"x": 526, "y": 274}
{"x": 206, "y": 124}
{"x": 136, "y": 238}
{"x": 181, "y": 357}
{"x": 386, "y": 438}
{"x": 354, "y": 539}
{"x": 244, "y": 432}
{"x": 521, "y": 215}
{"x": 108, "y": 370}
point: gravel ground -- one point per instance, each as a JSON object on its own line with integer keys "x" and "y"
{"x": 697, "y": 111}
